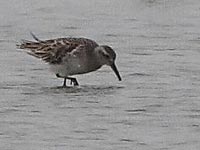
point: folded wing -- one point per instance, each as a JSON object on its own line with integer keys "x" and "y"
{"x": 51, "y": 51}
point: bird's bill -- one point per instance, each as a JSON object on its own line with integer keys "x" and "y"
{"x": 114, "y": 68}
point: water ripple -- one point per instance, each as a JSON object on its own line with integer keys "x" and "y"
{"x": 127, "y": 140}
{"x": 140, "y": 74}
{"x": 141, "y": 54}
{"x": 135, "y": 110}
{"x": 82, "y": 90}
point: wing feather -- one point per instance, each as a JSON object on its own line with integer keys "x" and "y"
{"x": 53, "y": 51}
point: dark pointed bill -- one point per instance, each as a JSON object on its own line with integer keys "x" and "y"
{"x": 114, "y": 68}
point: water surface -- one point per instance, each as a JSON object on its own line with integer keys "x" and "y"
{"x": 155, "y": 107}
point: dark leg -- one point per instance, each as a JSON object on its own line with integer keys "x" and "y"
{"x": 64, "y": 83}
{"x": 73, "y": 80}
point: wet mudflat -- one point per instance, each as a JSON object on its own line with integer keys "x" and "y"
{"x": 155, "y": 107}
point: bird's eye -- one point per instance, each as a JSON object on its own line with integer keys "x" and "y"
{"x": 106, "y": 56}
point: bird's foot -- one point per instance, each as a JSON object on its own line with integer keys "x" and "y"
{"x": 74, "y": 81}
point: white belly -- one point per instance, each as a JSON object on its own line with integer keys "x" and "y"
{"x": 67, "y": 69}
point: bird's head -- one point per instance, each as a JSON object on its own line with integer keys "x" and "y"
{"x": 107, "y": 56}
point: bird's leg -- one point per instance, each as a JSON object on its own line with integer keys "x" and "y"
{"x": 65, "y": 78}
{"x": 73, "y": 80}
{"x": 64, "y": 83}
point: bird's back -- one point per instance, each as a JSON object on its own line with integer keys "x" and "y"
{"x": 53, "y": 50}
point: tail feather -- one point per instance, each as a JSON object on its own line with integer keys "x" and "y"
{"x": 34, "y": 37}
{"x": 37, "y": 49}
{"x": 28, "y": 45}
{"x": 46, "y": 50}
{"x": 33, "y": 54}
{"x": 25, "y": 44}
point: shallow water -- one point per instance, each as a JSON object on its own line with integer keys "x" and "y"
{"x": 155, "y": 107}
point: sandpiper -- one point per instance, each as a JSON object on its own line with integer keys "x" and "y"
{"x": 71, "y": 56}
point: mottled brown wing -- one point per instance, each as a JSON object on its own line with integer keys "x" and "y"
{"x": 51, "y": 51}
{"x": 63, "y": 53}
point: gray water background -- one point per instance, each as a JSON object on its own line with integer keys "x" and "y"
{"x": 155, "y": 107}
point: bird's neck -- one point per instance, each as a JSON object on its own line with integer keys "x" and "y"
{"x": 98, "y": 57}
{"x": 94, "y": 62}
